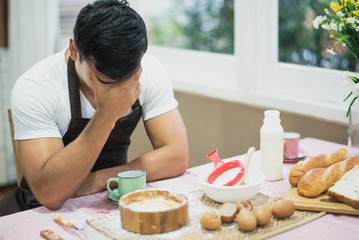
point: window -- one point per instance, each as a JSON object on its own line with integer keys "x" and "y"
{"x": 263, "y": 53}
{"x": 259, "y": 72}
{"x": 204, "y": 25}
{"x": 302, "y": 89}
{"x": 300, "y": 43}
{"x": 195, "y": 40}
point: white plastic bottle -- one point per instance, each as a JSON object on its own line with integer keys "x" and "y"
{"x": 271, "y": 146}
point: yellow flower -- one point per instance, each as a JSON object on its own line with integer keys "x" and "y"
{"x": 356, "y": 14}
{"x": 335, "y": 6}
{"x": 331, "y": 36}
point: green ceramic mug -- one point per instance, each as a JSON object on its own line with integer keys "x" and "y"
{"x": 128, "y": 181}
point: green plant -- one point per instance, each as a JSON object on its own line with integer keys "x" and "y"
{"x": 343, "y": 22}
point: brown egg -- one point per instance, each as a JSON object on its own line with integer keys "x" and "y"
{"x": 246, "y": 220}
{"x": 244, "y": 204}
{"x": 210, "y": 221}
{"x": 228, "y": 212}
{"x": 283, "y": 209}
{"x": 263, "y": 214}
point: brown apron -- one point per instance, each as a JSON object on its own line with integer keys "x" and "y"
{"x": 114, "y": 152}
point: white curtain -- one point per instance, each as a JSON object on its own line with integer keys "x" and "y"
{"x": 33, "y": 26}
{"x": 33, "y": 29}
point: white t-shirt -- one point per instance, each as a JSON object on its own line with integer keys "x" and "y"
{"x": 40, "y": 98}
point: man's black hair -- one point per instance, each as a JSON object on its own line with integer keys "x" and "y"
{"x": 111, "y": 35}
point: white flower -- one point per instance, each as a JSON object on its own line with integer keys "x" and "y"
{"x": 334, "y": 26}
{"x": 326, "y": 26}
{"x": 351, "y": 20}
{"x": 318, "y": 20}
{"x": 330, "y": 51}
{"x": 340, "y": 14}
{"x": 343, "y": 44}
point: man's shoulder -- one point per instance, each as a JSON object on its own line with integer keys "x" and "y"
{"x": 44, "y": 81}
{"x": 150, "y": 61}
{"x": 153, "y": 70}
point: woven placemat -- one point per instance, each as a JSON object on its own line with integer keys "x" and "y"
{"x": 198, "y": 204}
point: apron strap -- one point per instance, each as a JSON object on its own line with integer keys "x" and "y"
{"x": 136, "y": 104}
{"x": 73, "y": 82}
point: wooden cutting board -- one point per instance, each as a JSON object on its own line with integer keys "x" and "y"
{"x": 320, "y": 203}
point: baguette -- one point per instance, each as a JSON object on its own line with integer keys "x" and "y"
{"x": 318, "y": 180}
{"x": 346, "y": 189}
{"x": 320, "y": 161}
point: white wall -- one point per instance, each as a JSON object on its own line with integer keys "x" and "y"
{"x": 7, "y": 167}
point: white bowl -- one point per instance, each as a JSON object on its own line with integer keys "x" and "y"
{"x": 232, "y": 193}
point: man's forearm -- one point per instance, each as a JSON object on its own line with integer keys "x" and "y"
{"x": 65, "y": 171}
{"x": 161, "y": 163}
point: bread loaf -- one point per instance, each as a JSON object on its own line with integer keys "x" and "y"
{"x": 346, "y": 189}
{"x": 318, "y": 180}
{"x": 321, "y": 161}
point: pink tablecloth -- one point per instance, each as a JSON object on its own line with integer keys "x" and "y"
{"x": 28, "y": 224}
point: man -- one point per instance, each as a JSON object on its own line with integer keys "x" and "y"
{"x": 74, "y": 112}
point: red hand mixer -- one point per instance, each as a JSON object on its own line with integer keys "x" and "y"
{"x": 221, "y": 167}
